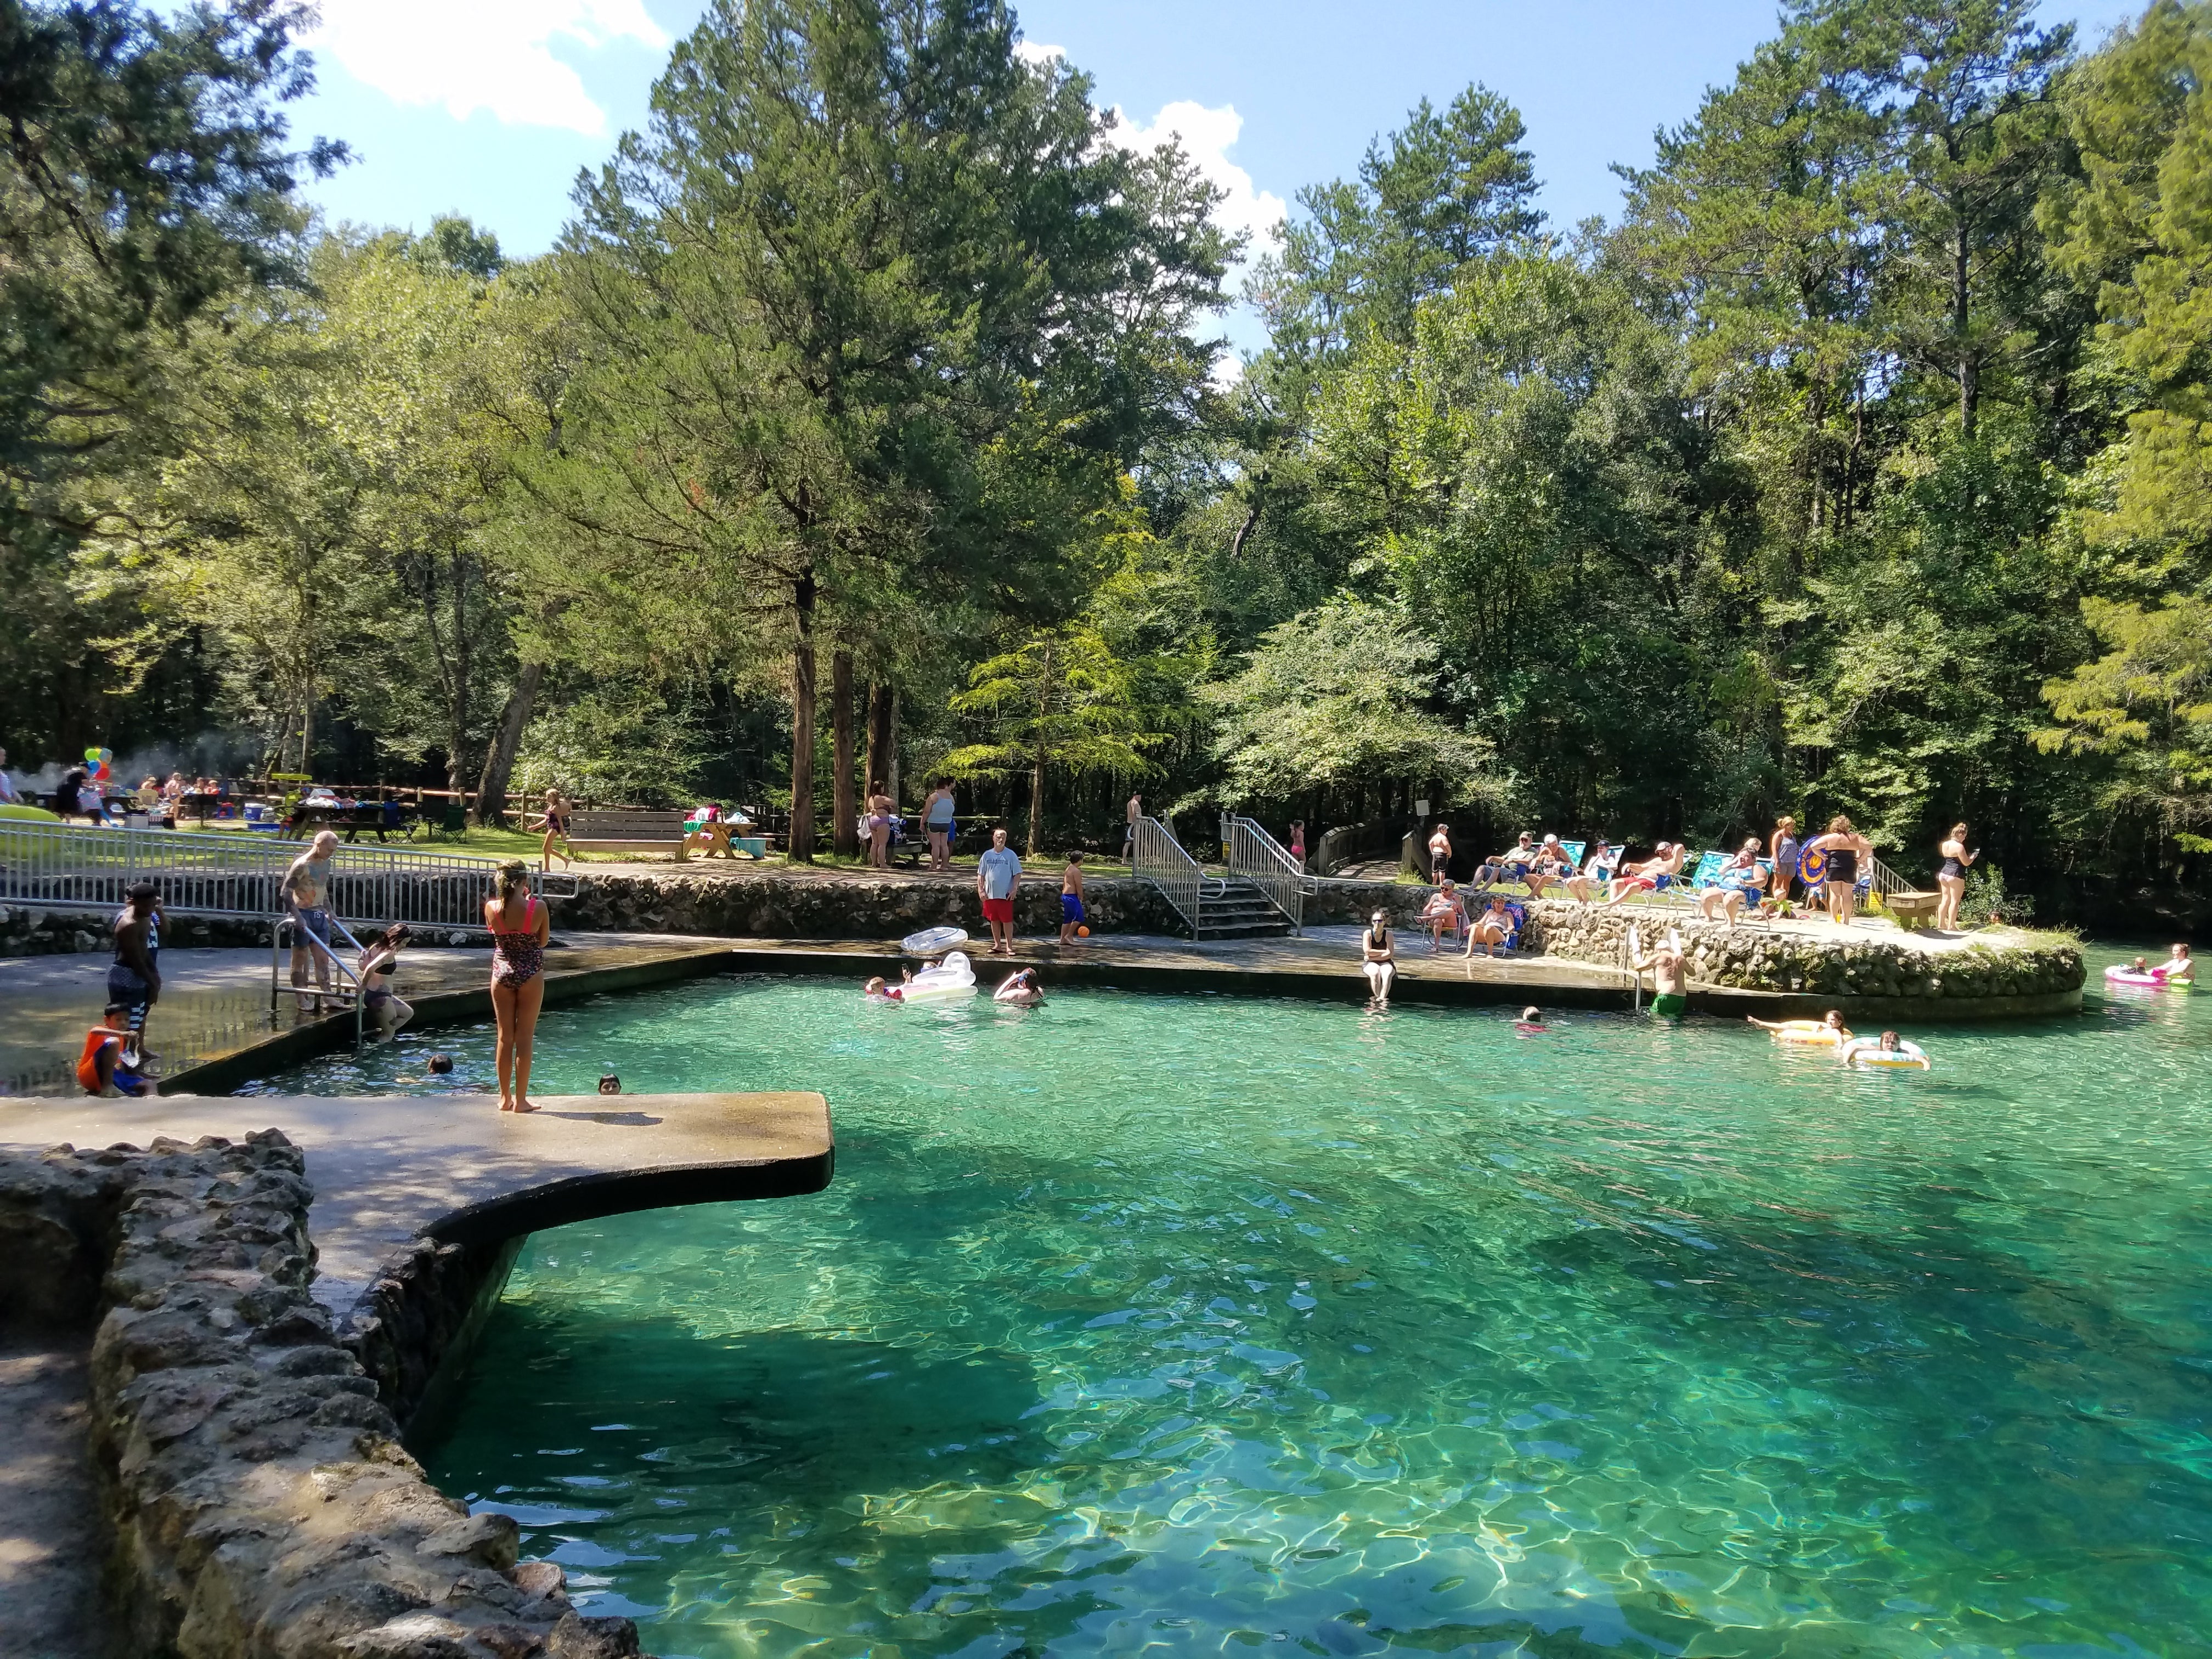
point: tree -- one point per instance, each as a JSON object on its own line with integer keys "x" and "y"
{"x": 144, "y": 179}
{"x": 1341, "y": 696}
{"x": 1059, "y": 700}
{"x": 867, "y": 327}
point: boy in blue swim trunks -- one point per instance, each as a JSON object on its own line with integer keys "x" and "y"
{"x": 1072, "y": 911}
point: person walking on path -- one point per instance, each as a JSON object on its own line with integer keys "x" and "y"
{"x": 307, "y": 898}
{"x": 879, "y": 819}
{"x": 1073, "y": 911}
{"x": 1130, "y": 830}
{"x": 556, "y": 823}
{"x": 134, "y": 981}
{"x": 1951, "y": 878}
{"x": 998, "y": 876}
{"x": 520, "y": 925}
{"x": 1299, "y": 843}
{"x": 937, "y": 824}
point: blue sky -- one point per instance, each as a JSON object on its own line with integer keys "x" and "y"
{"x": 489, "y": 107}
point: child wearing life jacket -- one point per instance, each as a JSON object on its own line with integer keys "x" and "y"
{"x": 109, "y": 1065}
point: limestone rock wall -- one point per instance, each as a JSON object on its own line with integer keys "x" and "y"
{"x": 261, "y": 1504}
{"x": 1759, "y": 958}
{"x": 27, "y": 930}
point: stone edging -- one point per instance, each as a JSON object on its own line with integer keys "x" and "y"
{"x": 1747, "y": 958}
{"x": 260, "y": 1502}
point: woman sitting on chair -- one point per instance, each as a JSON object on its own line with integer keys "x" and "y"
{"x": 1596, "y": 872}
{"x": 1446, "y": 911}
{"x": 1740, "y": 883}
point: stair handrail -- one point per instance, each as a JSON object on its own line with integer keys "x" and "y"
{"x": 1257, "y": 857}
{"x": 1154, "y": 855}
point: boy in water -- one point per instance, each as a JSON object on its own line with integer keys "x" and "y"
{"x": 1072, "y": 912}
{"x": 109, "y": 1065}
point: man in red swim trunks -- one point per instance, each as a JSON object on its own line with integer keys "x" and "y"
{"x": 998, "y": 874}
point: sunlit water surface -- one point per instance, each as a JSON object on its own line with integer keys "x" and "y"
{"x": 1186, "y": 1324}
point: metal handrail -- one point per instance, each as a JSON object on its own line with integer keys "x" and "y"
{"x": 1158, "y": 857}
{"x": 1257, "y": 857}
{"x": 228, "y": 873}
{"x": 347, "y": 976}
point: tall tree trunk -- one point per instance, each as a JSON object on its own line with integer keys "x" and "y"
{"x": 1037, "y": 801}
{"x": 844, "y": 804}
{"x": 802, "y": 722}
{"x": 883, "y": 760}
{"x": 458, "y": 715}
{"x": 1970, "y": 389}
{"x": 499, "y": 755}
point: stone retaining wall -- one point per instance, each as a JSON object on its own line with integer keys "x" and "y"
{"x": 861, "y": 907}
{"x": 1759, "y": 959}
{"x": 26, "y": 931}
{"x": 261, "y": 1504}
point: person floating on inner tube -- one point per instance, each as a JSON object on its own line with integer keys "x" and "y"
{"x": 1889, "y": 1051}
{"x": 2180, "y": 968}
{"x": 1826, "y": 1031}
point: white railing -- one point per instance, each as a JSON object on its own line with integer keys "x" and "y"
{"x": 1887, "y": 881}
{"x": 231, "y": 873}
{"x": 1158, "y": 857}
{"x": 1257, "y": 857}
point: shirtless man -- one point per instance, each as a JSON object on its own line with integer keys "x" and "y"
{"x": 1129, "y": 835}
{"x": 1643, "y": 878}
{"x": 306, "y": 897}
{"x": 1440, "y": 851}
{"x": 134, "y": 980}
{"x": 1670, "y": 976}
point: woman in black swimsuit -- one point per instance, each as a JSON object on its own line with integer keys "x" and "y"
{"x": 1844, "y": 847}
{"x": 1378, "y": 954}
{"x": 1951, "y": 878}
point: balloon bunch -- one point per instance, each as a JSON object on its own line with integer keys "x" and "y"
{"x": 96, "y": 761}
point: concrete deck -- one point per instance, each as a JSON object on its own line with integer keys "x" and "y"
{"x": 214, "y": 1028}
{"x": 388, "y": 1169}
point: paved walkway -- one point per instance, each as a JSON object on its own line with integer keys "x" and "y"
{"x": 216, "y": 1004}
{"x": 389, "y": 1169}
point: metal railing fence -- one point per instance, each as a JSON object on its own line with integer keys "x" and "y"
{"x": 1257, "y": 857}
{"x": 228, "y": 874}
{"x": 1158, "y": 857}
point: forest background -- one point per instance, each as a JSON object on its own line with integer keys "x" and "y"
{"x": 868, "y": 421}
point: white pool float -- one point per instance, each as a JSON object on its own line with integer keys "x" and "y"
{"x": 952, "y": 980}
{"x": 934, "y": 941}
{"x": 2150, "y": 982}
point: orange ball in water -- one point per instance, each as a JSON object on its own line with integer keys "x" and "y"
{"x": 1082, "y": 932}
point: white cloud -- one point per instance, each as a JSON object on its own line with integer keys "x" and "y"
{"x": 1035, "y": 52}
{"x": 1206, "y": 136}
{"x": 472, "y": 55}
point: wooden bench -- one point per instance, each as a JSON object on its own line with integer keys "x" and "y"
{"x": 1912, "y": 910}
{"x": 670, "y": 831}
{"x": 629, "y": 832}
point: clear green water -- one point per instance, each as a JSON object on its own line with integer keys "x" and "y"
{"x": 1193, "y": 1325}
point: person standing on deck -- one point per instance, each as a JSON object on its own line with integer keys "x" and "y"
{"x": 936, "y": 822}
{"x": 1072, "y": 913}
{"x": 1130, "y": 830}
{"x": 1440, "y": 852}
{"x": 308, "y": 898}
{"x": 134, "y": 981}
{"x": 998, "y": 876}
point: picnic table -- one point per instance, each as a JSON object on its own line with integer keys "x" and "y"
{"x": 351, "y": 818}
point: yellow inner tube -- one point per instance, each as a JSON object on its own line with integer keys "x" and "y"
{"x": 1905, "y": 1057}
{"x": 1810, "y": 1031}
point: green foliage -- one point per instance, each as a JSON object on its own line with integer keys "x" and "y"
{"x": 1343, "y": 693}
{"x": 623, "y": 745}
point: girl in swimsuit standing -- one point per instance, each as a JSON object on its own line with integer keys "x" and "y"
{"x": 520, "y": 925}
{"x": 1951, "y": 878}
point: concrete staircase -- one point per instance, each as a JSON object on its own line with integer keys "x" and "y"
{"x": 1239, "y": 910}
